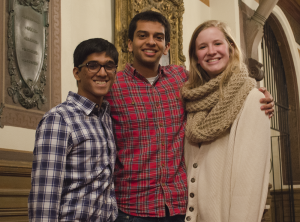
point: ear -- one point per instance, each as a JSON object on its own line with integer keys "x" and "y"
{"x": 76, "y": 73}
{"x": 130, "y": 49}
{"x": 166, "y": 49}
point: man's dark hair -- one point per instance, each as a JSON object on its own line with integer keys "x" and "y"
{"x": 152, "y": 17}
{"x": 96, "y": 45}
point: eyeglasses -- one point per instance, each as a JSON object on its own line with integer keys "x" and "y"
{"x": 94, "y": 67}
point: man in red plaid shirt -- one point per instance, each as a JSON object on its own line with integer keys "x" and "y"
{"x": 149, "y": 120}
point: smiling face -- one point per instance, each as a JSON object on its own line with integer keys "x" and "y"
{"x": 94, "y": 86}
{"x": 212, "y": 51}
{"x": 148, "y": 44}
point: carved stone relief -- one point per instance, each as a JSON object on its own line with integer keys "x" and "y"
{"x": 27, "y": 95}
{"x": 27, "y": 51}
{"x": 126, "y": 9}
{"x": 255, "y": 70}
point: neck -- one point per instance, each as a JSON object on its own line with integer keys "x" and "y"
{"x": 146, "y": 71}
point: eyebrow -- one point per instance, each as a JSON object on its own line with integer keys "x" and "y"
{"x": 142, "y": 31}
{"x": 108, "y": 61}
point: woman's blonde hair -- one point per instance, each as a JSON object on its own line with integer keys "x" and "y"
{"x": 197, "y": 75}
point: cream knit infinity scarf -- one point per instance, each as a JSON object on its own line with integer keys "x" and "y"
{"x": 209, "y": 115}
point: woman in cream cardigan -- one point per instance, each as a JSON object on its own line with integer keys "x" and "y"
{"x": 227, "y": 144}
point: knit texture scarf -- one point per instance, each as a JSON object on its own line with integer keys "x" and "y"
{"x": 209, "y": 115}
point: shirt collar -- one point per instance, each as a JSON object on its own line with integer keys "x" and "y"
{"x": 129, "y": 69}
{"x": 86, "y": 105}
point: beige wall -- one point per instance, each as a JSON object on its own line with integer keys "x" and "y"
{"x": 228, "y": 12}
{"x": 195, "y": 13}
{"x": 81, "y": 20}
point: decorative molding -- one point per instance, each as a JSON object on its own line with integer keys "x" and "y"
{"x": 1, "y": 111}
{"x": 255, "y": 70}
{"x": 15, "y": 168}
{"x": 14, "y": 212}
{"x": 56, "y": 52}
{"x": 36, "y": 5}
{"x": 17, "y": 118}
{"x": 14, "y": 192}
{"x": 126, "y": 9}
{"x": 15, "y": 177}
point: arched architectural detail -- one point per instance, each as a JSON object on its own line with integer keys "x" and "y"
{"x": 291, "y": 71}
{"x": 254, "y": 32}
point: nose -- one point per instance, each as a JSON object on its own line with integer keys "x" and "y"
{"x": 101, "y": 72}
{"x": 211, "y": 50}
{"x": 151, "y": 41}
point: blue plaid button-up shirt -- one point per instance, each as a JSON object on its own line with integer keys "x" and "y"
{"x": 74, "y": 158}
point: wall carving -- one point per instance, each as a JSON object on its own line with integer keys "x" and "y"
{"x": 126, "y": 9}
{"x": 27, "y": 52}
{"x": 25, "y": 106}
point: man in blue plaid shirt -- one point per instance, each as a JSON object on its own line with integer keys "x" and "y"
{"x": 75, "y": 153}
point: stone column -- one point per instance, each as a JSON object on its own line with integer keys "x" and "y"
{"x": 254, "y": 34}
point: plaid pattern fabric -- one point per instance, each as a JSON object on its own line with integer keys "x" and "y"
{"x": 149, "y": 123}
{"x": 74, "y": 158}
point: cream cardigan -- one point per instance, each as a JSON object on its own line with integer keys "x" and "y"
{"x": 228, "y": 178}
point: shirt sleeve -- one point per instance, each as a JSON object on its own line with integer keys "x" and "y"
{"x": 251, "y": 162}
{"x": 48, "y": 168}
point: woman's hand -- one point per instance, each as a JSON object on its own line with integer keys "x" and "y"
{"x": 268, "y": 106}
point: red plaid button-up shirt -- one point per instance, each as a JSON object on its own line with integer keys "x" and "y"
{"x": 149, "y": 122}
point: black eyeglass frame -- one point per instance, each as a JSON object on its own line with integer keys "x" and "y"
{"x": 100, "y": 66}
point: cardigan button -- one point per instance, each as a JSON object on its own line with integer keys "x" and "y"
{"x": 195, "y": 165}
{"x": 191, "y": 209}
{"x": 188, "y": 218}
{"x": 192, "y": 195}
{"x": 193, "y": 180}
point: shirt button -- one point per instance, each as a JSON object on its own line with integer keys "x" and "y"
{"x": 164, "y": 184}
{"x": 193, "y": 180}
{"x": 163, "y": 144}
{"x": 157, "y": 104}
{"x": 132, "y": 103}
{"x": 188, "y": 218}
{"x": 195, "y": 165}
{"x": 192, "y": 195}
{"x": 163, "y": 165}
{"x": 160, "y": 124}
{"x": 191, "y": 209}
